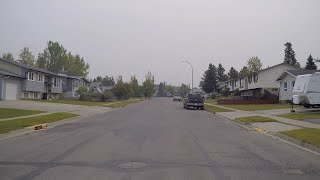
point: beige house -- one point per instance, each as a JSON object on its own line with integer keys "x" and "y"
{"x": 260, "y": 84}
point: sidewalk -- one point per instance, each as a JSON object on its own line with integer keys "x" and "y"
{"x": 266, "y": 113}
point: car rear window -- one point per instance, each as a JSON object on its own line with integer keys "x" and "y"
{"x": 194, "y": 96}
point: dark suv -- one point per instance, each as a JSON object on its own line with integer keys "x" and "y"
{"x": 193, "y": 100}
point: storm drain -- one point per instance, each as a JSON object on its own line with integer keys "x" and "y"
{"x": 132, "y": 165}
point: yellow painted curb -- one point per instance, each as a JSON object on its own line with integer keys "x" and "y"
{"x": 259, "y": 129}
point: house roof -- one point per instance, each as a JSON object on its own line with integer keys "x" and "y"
{"x": 296, "y": 72}
{"x": 95, "y": 84}
{"x": 30, "y": 67}
{"x": 4, "y": 72}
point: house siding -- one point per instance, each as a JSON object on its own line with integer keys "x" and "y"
{"x": 33, "y": 86}
{"x": 286, "y": 95}
{"x": 1, "y": 87}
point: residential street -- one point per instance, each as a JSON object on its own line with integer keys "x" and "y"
{"x": 155, "y": 139}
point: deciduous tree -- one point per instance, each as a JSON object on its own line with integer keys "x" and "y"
{"x": 26, "y": 57}
{"x": 254, "y": 64}
{"x": 8, "y": 56}
{"x": 148, "y": 85}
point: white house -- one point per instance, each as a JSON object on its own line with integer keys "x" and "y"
{"x": 260, "y": 84}
{"x": 286, "y": 82}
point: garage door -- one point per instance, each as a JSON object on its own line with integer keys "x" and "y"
{"x": 11, "y": 91}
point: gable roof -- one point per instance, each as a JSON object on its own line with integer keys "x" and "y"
{"x": 296, "y": 73}
{"x": 30, "y": 67}
{"x": 7, "y": 73}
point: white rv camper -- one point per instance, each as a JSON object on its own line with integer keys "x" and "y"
{"x": 306, "y": 90}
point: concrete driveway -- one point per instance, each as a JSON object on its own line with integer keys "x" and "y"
{"x": 85, "y": 111}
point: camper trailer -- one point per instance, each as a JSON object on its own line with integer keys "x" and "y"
{"x": 306, "y": 90}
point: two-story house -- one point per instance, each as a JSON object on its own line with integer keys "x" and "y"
{"x": 261, "y": 83}
{"x": 20, "y": 81}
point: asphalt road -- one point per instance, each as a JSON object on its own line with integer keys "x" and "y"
{"x": 155, "y": 139}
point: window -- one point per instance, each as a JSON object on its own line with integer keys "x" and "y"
{"x": 31, "y": 76}
{"x": 241, "y": 83}
{"x": 56, "y": 82}
{"x": 36, "y": 95}
{"x": 255, "y": 78}
{"x": 25, "y": 95}
{"x": 292, "y": 83}
{"x": 250, "y": 79}
{"x": 235, "y": 83}
{"x": 40, "y": 77}
{"x": 285, "y": 86}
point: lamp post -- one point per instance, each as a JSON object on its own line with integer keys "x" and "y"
{"x": 192, "y": 73}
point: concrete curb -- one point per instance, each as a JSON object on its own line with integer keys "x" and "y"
{"x": 286, "y": 139}
{"x": 32, "y": 129}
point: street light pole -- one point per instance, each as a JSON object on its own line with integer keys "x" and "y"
{"x": 192, "y": 73}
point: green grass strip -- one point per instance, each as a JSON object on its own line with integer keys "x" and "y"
{"x": 213, "y": 108}
{"x": 308, "y": 135}
{"x": 301, "y": 116}
{"x": 10, "y": 125}
{"x": 253, "y": 119}
{"x": 10, "y": 113}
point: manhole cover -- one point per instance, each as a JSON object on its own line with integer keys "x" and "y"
{"x": 132, "y": 165}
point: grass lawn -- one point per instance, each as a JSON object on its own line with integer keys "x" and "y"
{"x": 10, "y": 113}
{"x": 74, "y": 102}
{"x": 211, "y": 101}
{"x": 86, "y": 103}
{"x": 256, "y": 107}
{"x": 215, "y": 108}
{"x": 308, "y": 135}
{"x": 10, "y": 125}
{"x": 253, "y": 119}
{"x": 122, "y": 103}
{"x": 301, "y": 116}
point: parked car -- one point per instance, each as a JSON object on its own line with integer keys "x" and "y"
{"x": 177, "y": 97}
{"x": 306, "y": 90}
{"x": 193, "y": 100}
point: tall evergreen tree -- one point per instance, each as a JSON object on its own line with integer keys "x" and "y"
{"x": 220, "y": 73}
{"x": 289, "y": 55}
{"x": 210, "y": 79}
{"x": 310, "y": 65}
{"x": 233, "y": 74}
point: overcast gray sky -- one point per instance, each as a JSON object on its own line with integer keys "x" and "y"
{"x": 126, "y": 37}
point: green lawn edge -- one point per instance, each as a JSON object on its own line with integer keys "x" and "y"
{"x": 11, "y": 125}
{"x": 301, "y": 116}
{"x": 257, "y": 107}
{"x": 213, "y": 108}
{"x": 253, "y": 119}
{"x": 12, "y": 112}
{"x": 307, "y": 135}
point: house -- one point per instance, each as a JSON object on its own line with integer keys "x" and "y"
{"x": 286, "y": 82}
{"x": 20, "y": 81}
{"x": 261, "y": 83}
{"x": 70, "y": 84}
{"x": 97, "y": 87}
